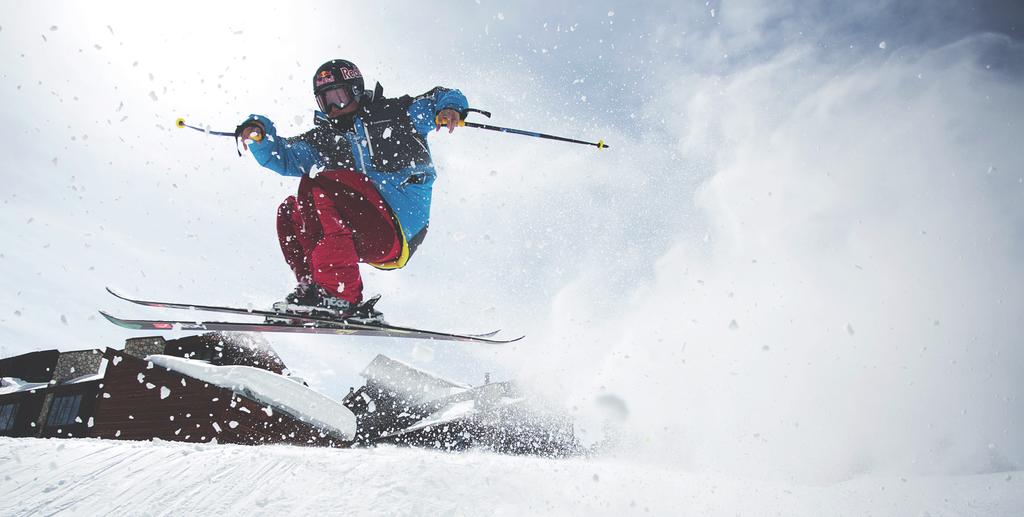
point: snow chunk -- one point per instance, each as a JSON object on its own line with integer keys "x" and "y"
{"x": 268, "y": 388}
{"x": 164, "y": 392}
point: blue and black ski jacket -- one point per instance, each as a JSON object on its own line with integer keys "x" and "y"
{"x": 386, "y": 140}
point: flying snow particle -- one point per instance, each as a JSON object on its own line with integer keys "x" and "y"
{"x": 150, "y": 385}
{"x": 232, "y": 424}
{"x": 216, "y": 426}
{"x": 613, "y": 407}
{"x": 164, "y": 392}
{"x": 611, "y": 13}
{"x": 423, "y": 353}
{"x": 882, "y": 45}
{"x": 733, "y": 325}
{"x": 53, "y": 28}
{"x": 90, "y": 423}
{"x": 849, "y": 329}
{"x": 63, "y": 319}
{"x": 152, "y": 95}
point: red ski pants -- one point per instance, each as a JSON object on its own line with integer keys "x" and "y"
{"x": 335, "y": 221}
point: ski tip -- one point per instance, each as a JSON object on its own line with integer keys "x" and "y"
{"x": 481, "y": 339}
{"x": 115, "y": 320}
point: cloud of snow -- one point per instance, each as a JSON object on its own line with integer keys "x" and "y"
{"x": 846, "y": 301}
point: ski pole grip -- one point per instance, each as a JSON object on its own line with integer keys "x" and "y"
{"x": 437, "y": 122}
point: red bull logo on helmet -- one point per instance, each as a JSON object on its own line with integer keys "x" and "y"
{"x": 324, "y": 77}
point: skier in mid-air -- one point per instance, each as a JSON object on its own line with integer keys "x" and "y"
{"x": 365, "y": 188}
{"x": 364, "y": 196}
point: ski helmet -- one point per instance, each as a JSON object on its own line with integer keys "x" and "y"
{"x": 337, "y": 73}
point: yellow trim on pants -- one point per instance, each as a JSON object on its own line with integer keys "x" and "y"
{"x": 403, "y": 256}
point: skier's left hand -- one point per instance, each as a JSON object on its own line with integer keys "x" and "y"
{"x": 448, "y": 117}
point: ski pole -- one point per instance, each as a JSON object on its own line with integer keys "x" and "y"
{"x": 236, "y": 133}
{"x": 181, "y": 123}
{"x": 599, "y": 144}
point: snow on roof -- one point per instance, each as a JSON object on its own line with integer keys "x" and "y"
{"x": 268, "y": 388}
{"x": 85, "y": 378}
{"x": 412, "y": 382}
{"x": 14, "y": 385}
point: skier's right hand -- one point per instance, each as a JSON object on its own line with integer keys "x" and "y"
{"x": 252, "y": 130}
{"x": 255, "y": 128}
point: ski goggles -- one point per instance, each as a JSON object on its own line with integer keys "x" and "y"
{"x": 335, "y": 97}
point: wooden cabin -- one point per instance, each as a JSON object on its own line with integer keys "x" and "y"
{"x": 119, "y": 394}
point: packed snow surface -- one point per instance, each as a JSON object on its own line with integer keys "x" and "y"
{"x": 90, "y": 477}
{"x": 269, "y": 388}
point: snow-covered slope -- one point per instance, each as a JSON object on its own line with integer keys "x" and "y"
{"x": 89, "y": 477}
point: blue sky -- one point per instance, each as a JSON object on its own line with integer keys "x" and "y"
{"x": 807, "y": 231}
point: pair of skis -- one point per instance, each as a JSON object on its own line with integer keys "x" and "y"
{"x": 299, "y": 323}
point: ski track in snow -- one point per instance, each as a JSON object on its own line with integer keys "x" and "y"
{"x": 90, "y": 477}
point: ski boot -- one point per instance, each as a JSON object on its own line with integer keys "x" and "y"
{"x": 310, "y": 300}
{"x": 313, "y": 300}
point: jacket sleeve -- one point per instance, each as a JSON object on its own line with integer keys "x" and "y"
{"x": 424, "y": 108}
{"x": 285, "y": 156}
